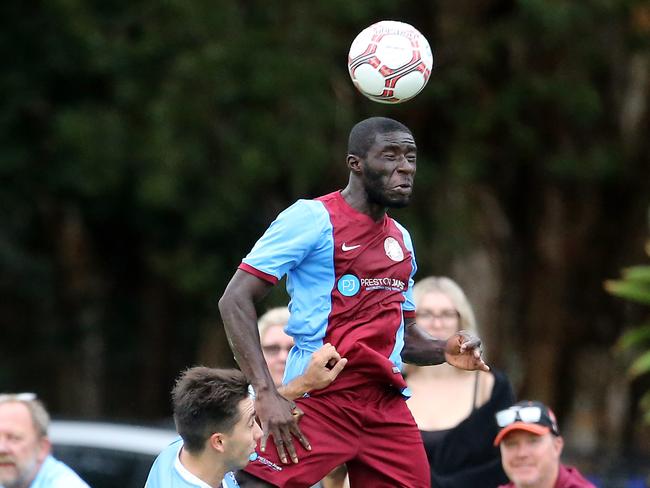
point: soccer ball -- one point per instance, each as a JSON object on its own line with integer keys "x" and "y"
{"x": 390, "y": 62}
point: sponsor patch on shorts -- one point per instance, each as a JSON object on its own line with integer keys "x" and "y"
{"x": 256, "y": 458}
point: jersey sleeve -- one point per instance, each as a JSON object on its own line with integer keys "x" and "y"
{"x": 408, "y": 307}
{"x": 289, "y": 238}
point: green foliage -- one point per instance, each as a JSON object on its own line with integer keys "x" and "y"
{"x": 638, "y": 335}
{"x": 645, "y": 405}
{"x": 641, "y": 365}
{"x": 635, "y": 286}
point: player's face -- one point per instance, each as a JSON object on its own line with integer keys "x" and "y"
{"x": 389, "y": 169}
{"x": 242, "y": 440}
{"x": 276, "y": 346}
{"x": 436, "y": 314}
{"x": 530, "y": 460}
{"x": 22, "y": 450}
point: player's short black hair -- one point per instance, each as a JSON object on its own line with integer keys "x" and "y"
{"x": 364, "y": 133}
{"x": 205, "y": 401}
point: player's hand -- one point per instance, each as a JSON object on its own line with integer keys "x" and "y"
{"x": 325, "y": 365}
{"x": 463, "y": 350}
{"x": 279, "y": 418}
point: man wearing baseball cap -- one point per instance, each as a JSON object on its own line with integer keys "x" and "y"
{"x": 531, "y": 446}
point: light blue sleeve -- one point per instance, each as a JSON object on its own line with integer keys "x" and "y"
{"x": 409, "y": 302}
{"x": 287, "y": 241}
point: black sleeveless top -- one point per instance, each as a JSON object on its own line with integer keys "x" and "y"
{"x": 464, "y": 457}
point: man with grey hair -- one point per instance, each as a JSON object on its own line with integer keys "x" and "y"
{"x": 25, "y": 458}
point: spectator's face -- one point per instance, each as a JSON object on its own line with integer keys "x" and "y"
{"x": 436, "y": 314}
{"x": 530, "y": 460}
{"x": 276, "y": 346}
{"x": 240, "y": 443}
{"x": 22, "y": 450}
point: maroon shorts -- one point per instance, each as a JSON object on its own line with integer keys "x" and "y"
{"x": 370, "y": 429}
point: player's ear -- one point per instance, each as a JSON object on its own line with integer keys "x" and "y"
{"x": 216, "y": 442}
{"x": 354, "y": 163}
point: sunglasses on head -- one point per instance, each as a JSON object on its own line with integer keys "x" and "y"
{"x": 17, "y": 397}
{"x": 529, "y": 415}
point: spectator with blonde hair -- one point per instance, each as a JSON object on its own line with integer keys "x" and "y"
{"x": 454, "y": 408}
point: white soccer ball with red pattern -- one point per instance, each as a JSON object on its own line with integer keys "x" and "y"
{"x": 390, "y": 62}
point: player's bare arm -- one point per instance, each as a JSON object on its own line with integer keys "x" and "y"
{"x": 462, "y": 350}
{"x": 237, "y": 307}
{"x": 325, "y": 365}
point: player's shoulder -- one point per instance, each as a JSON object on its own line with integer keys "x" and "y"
{"x": 303, "y": 214}
{"x": 161, "y": 472}
{"x": 305, "y": 206}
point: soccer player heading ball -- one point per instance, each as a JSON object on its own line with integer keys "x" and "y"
{"x": 349, "y": 270}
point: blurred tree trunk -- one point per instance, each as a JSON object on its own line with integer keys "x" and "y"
{"x": 155, "y": 340}
{"x": 81, "y": 379}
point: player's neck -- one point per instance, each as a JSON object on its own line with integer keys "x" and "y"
{"x": 204, "y": 467}
{"x": 357, "y": 198}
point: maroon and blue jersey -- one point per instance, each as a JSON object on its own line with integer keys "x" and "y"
{"x": 350, "y": 280}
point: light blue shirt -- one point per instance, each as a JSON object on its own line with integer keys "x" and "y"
{"x": 55, "y": 474}
{"x": 168, "y": 472}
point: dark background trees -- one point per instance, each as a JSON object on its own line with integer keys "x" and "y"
{"x": 145, "y": 145}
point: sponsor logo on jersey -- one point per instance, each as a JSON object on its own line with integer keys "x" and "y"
{"x": 348, "y": 285}
{"x": 392, "y": 284}
{"x": 393, "y": 249}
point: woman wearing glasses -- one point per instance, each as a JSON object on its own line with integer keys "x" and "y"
{"x": 454, "y": 408}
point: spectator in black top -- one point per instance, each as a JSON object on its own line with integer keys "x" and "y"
{"x": 454, "y": 408}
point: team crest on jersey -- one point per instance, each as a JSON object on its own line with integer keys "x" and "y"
{"x": 393, "y": 249}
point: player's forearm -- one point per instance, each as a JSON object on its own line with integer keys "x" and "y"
{"x": 420, "y": 348}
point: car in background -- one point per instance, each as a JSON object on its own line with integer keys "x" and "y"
{"x": 108, "y": 455}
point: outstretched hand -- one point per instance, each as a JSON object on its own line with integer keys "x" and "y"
{"x": 463, "y": 350}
